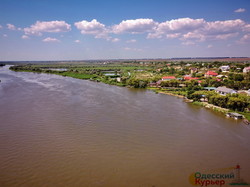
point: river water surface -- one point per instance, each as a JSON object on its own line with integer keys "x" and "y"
{"x": 60, "y": 131}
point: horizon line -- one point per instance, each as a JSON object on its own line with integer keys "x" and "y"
{"x": 121, "y": 59}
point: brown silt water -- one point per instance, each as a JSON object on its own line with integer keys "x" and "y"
{"x": 60, "y": 131}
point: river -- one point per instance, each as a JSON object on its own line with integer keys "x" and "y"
{"x": 60, "y": 131}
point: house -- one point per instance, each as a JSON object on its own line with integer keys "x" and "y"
{"x": 193, "y": 70}
{"x": 177, "y": 67}
{"x": 244, "y": 92}
{"x": 159, "y": 82}
{"x": 190, "y": 78}
{"x": 221, "y": 76}
{"x": 246, "y": 69}
{"x": 155, "y": 84}
{"x": 210, "y": 74}
{"x": 118, "y": 79}
{"x": 248, "y": 92}
{"x": 225, "y": 90}
{"x": 168, "y": 78}
{"x": 224, "y": 68}
{"x": 152, "y": 84}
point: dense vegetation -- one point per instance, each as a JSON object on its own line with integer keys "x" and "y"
{"x": 235, "y": 102}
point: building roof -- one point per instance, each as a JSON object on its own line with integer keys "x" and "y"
{"x": 224, "y": 89}
{"x": 169, "y": 77}
{"x": 225, "y": 66}
{"x": 159, "y": 82}
{"x": 190, "y": 78}
{"x": 209, "y": 88}
{"x": 247, "y": 68}
{"x": 211, "y": 73}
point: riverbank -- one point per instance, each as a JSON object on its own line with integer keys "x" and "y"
{"x": 205, "y": 104}
{"x": 212, "y": 107}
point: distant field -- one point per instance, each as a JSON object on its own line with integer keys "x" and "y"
{"x": 198, "y": 60}
{"x": 81, "y": 62}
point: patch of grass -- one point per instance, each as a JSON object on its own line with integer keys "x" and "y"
{"x": 152, "y": 88}
{"x": 77, "y": 75}
{"x": 198, "y": 103}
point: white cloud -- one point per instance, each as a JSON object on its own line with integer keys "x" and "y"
{"x": 182, "y": 24}
{"x": 47, "y": 26}
{"x": 246, "y": 28}
{"x": 25, "y": 37}
{"x": 115, "y": 39}
{"x": 199, "y": 30}
{"x": 134, "y": 26}
{"x": 175, "y": 26}
{"x": 188, "y": 43}
{"x": 240, "y": 10}
{"x": 226, "y": 36}
{"x": 188, "y": 30}
{"x": 245, "y": 39}
{"x": 93, "y": 27}
{"x": 77, "y": 41}
{"x": 228, "y": 26}
{"x": 209, "y": 46}
{"x": 175, "y": 35}
{"x": 49, "y": 39}
{"x": 5, "y": 35}
{"x": 11, "y": 26}
{"x": 132, "y": 49}
{"x": 1, "y": 26}
{"x": 131, "y": 41}
{"x": 194, "y": 35}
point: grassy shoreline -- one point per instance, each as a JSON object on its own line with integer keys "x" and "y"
{"x": 203, "y": 104}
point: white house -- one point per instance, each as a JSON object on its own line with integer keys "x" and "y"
{"x": 246, "y": 69}
{"x": 225, "y": 90}
{"x": 225, "y": 68}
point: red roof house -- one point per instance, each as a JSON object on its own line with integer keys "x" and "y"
{"x": 190, "y": 78}
{"x": 168, "y": 78}
{"x": 211, "y": 74}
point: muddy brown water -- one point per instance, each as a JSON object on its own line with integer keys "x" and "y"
{"x": 60, "y": 131}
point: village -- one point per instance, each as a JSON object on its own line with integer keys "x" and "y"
{"x": 224, "y": 87}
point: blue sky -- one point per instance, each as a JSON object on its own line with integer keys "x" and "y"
{"x": 110, "y": 29}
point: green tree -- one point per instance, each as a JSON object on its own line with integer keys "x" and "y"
{"x": 236, "y": 103}
{"x": 218, "y": 100}
{"x": 137, "y": 83}
{"x": 172, "y": 71}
